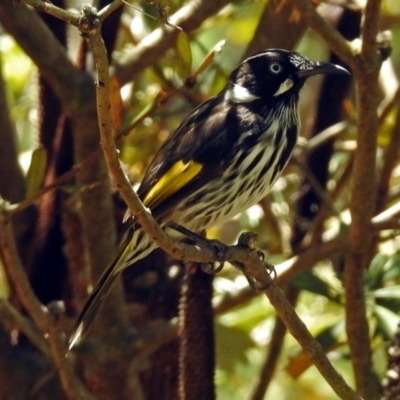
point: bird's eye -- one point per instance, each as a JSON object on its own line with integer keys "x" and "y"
{"x": 275, "y": 68}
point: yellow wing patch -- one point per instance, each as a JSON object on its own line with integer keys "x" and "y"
{"x": 179, "y": 175}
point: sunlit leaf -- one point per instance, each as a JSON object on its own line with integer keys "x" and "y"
{"x": 219, "y": 82}
{"x": 391, "y": 269}
{"x": 391, "y": 292}
{"x": 231, "y": 344}
{"x": 392, "y": 7}
{"x": 373, "y": 275}
{"x": 149, "y": 109}
{"x": 312, "y": 283}
{"x": 209, "y": 58}
{"x": 248, "y": 315}
{"x": 387, "y": 320}
{"x": 387, "y": 297}
{"x": 36, "y": 172}
{"x": 16, "y": 65}
{"x": 184, "y": 52}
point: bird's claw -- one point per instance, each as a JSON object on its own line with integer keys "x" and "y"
{"x": 220, "y": 250}
{"x": 271, "y": 271}
{"x": 255, "y": 285}
{"x": 210, "y": 268}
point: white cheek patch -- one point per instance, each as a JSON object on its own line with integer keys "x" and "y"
{"x": 239, "y": 94}
{"x": 285, "y": 86}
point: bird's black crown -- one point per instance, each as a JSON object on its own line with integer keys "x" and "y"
{"x": 272, "y": 73}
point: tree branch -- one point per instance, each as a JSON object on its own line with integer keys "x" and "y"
{"x": 147, "y": 52}
{"x": 273, "y": 351}
{"x": 13, "y": 319}
{"x": 49, "y": 8}
{"x": 288, "y": 270}
{"x": 362, "y": 205}
{"x": 335, "y": 41}
{"x": 369, "y": 34}
{"x": 311, "y": 348}
{"x": 276, "y": 28}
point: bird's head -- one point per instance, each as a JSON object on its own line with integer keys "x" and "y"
{"x": 273, "y": 73}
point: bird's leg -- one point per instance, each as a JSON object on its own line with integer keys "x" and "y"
{"x": 246, "y": 239}
{"x": 202, "y": 241}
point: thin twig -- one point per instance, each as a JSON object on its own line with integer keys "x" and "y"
{"x": 369, "y": 34}
{"x": 273, "y": 350}
{"x": 151, "y": 49}
{"x": 311, "y": 348}
{"x": 12, "y": 318}
{"x": 56, "y": 184}
{"x": 326, "y": 135}
{"x": 307, "y": 259}
{"x": 287, "y": 270}
{"x": 319, "y": 190}
{"x": 109, "y": 9}
{"x": 70, "y": 17}
{"x": 362, "y": 206}
{"x": 387, "y": 215}
{"x": 332, "y": 37}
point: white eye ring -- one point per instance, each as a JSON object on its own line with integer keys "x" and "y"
{"x": 275, "y": 68}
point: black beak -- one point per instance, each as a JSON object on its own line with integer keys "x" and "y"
{"x": 318, "y": 67}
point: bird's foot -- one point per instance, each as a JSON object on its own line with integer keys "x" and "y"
{"x": 200, "y": 240}
{"x": 250, "y": 240}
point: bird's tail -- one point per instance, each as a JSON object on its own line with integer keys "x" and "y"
{"x": 93, "y": 304}
{"x": 135, "y": 244}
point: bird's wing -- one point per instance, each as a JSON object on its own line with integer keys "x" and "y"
{"x": 196, "y": 152}
{"x": 177, "y": 177}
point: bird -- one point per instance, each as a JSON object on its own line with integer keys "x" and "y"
{"x": 223, "y": 158}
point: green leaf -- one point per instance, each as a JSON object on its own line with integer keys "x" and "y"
{"x": 387, "y": 320}
{"x": 232, "y": 345}
{"x": 373, "y": 275}
{"x": 209, "y": 58}
{"x": 312, "y": 283}
{"x": 145, "y": 112}
{"x": 388, "y": 297}
{"x": 36, "y": 172}
{"x": 247, "y": 315}
{"x": 391, "y": 269}
{"x": 182, "y": 47}
{"x": 391, "y": 292}
{"x": 331, "y": 338}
